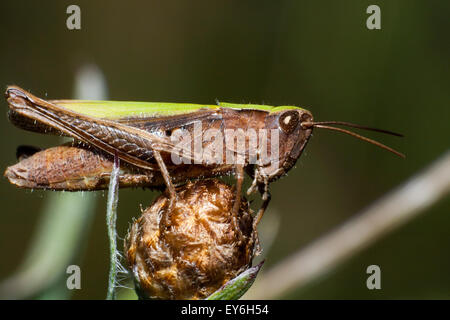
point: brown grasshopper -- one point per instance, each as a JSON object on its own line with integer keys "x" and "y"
{"x": 162, "y": 143}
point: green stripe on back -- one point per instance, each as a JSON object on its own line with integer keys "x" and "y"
{"x": 257, "y": 107}
{"x": 125, "y": 109}
{"x": 128, "y": 109}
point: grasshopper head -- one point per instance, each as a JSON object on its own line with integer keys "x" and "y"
{"x": 292, "y": 139}
{"x": 294, "y": 126}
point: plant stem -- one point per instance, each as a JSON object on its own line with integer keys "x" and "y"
{"x": 111, "y": 216}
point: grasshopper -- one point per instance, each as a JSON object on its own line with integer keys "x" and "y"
{"x": 141, "y": 135}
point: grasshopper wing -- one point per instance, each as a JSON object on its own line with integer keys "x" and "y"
{"x": 132, "y": 144}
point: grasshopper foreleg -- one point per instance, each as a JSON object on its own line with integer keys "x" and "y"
{"x": 265, "y": 194}
{"x": 260, "y": 182}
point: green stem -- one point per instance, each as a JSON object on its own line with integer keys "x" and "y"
{"x": 111, "y": 216}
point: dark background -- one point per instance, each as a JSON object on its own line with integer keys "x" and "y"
{"x": 314, "y": 54}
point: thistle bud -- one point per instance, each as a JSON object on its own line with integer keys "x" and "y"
{"x": 192, "y": 249}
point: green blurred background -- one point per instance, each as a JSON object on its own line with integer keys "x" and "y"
{"x": 314, "y": 54}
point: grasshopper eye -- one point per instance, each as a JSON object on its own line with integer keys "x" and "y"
{"x": 288, "y": 121}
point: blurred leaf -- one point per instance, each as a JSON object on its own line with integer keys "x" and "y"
{"x": 237, "y": 287}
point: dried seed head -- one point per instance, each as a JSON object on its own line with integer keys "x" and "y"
{"x": 192, "y": 250}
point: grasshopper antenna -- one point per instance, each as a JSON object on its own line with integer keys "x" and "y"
{"x": 353, "y": 125}
{"x": 325, "y": 125}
